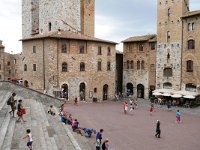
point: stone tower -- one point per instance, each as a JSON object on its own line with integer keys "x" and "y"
{"x": 169, "y": 43}
{"x": 43, "y": 16}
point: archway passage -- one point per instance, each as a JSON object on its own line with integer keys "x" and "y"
{"x": 140, "y": 91}
{"x": 105, "y": 92}
{"x": 26, "y": 83}
{"x": 129, "y": 88}
{"x": 65, "y": 91}
{"x": 82, "y": 91}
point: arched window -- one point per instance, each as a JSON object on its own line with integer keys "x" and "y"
{"x": 142, "y": 64}
{"x": 132, "y": 64}
{"x": 191, "y": 44}
{"x": 138, "y": 65}
{"x": 168, "y": 36}
{"x": 167, "y": 85}
{"x": 82, "y": 66}
{"x": 191, "y": 87}
{"x": 127, "y": 63}
{"x": 64, "y": 67}
{"x": 25, "y": 67}
{"x": 189, "y": 64}
{"x": 167, "y": 72}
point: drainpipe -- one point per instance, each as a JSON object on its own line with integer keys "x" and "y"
{"x": 44, "y": 85}
{"x": 181, "y": 57}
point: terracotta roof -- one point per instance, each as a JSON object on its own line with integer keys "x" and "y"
{"x": 190, "y": 14}
{"x": 66, "y": 35}
{"x": 153, "y": 39}
{"x": 140, "y": 38}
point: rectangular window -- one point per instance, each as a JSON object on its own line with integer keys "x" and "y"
{"x": 153, "y": 46}
{"x": 8, "y": 63}
{"x": 64, "y": 48}
{"x": 141, "y": 47}
{"x": 99, "y": 50}
{"x": 99, "y": 66}
{"x": 34, "y": 49}
{"x": 152, "y": 67}
{"x": 15, "y": 61}
{"x": 34, "y": 67}
{"x": 109, "y": 51}
{"x": 9, "y": 71}
{"x": 82, "y": 48}
{"x": 108, "y": 66}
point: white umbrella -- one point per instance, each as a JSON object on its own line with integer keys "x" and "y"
{"x": 176, "y": 96}
{"x": 189, "y": 96}
{"x": 157, "y": 93}
{"x": 166, "y": 94}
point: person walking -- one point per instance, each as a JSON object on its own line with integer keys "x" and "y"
{"x": 98, "y": 139}
{"x": 105, "y": 145}
{"x": 29, "y": 137}
{"x": 12, "y": 103}
{"x": 125, "y": 107}
{"x": 158, "y": 131}
{"x": 76, "y": 101}
{"x": 20, "y": 112}
{"x": 178, "y": 116}
{"x": 151, "y": 109}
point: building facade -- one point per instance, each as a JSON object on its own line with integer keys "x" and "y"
{"x": 191, "y": 53}
{"x": 43, "y": 16}
{"x": 139, "y": 65}
{"x": 70, "y": 65}
{"x": 169, "y": 43}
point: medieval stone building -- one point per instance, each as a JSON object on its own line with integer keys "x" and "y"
{"x": 139, "y": 65}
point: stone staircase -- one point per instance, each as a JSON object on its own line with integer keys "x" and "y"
{"x": 47, "y": 131}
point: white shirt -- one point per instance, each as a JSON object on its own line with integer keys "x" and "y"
{"x": 30, "y": 137}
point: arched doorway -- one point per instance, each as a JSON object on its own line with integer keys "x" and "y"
{"x": 82, "y": 91}
{"x": 140, "y": 91}
{"x": 65, "y": 91}
{"x": 26, "y": 83}
{"x": 129, "y": 87}
{"x": 105, "y": 92}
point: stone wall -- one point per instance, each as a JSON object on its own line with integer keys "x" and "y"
{"x": 192, "y": 77}
{"x": 169, "y": 41}
{"x": 49, "y": 75}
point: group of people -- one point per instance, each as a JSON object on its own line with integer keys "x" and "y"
{"x": 132, "y": 105}
{"x": 16, "y": 106}
{"x": 20, "y": 112}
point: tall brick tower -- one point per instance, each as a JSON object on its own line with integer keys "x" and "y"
{"x": 169, "y": 42}
{"x": 43, "y": 16}
{"x": 87, "y": 17}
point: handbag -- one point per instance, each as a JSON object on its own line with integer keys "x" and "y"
{"x": 23, "y": 111}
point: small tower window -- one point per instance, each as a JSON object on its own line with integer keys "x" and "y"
{"x": 189, "y": 64}
{"x": 168, "y": 36}
{"x": 108, "y": 66}
{"x": 138, "y": 65}
{"x": 99, "y": 66}
{"x": 191, "y": 44}
{"x": 64, "y": 48}
{"x": 64, "y": 67}
{"x": 34, "y": 67}
{"x": 50, "y": 26}
{"x": 99, "y": 50}
{"x": 25, "y": 67}
{"x": 34, "y": 49}
{"x": 169, "y": 12}
{"x": 82, "y": 66}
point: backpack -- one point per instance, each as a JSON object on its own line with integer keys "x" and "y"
{"x": 9, "y": 101}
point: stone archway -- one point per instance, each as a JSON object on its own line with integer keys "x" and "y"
{"x": 82, "y": 88}
{"x": 65, "y": 91}
{"x": 105, "y": 92}
{"x": 140, "y": 91}
{"x": 129, "y": 87}
{"x": 26, "y": 83}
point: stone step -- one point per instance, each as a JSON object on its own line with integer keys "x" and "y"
{"x": 5, "y": 119}
{"x": 61, "y": 137}
{"x": 4, "y": 97}
{"x": 8, "y": 138}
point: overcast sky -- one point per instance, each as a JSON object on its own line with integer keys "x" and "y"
{"x": 116, "y": 20}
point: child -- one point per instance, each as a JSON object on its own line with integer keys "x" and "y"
{"x": 178, "y": 116}
{"x": 131, "y": 108}
{"x": 151, "y": 109}
{"x": 51, "y": 111}
{"x": 98, "y": 144}
{"x": 105, "y": 145}
{"x": 29, "y": 137}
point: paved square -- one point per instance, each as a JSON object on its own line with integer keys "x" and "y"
{"x": 136, "y": 132}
